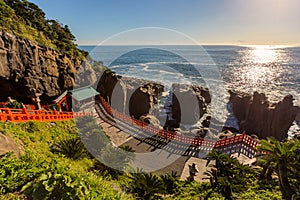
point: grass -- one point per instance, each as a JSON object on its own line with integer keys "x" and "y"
{"x": 38, "y": 160}
{"x": 42, "y": 171}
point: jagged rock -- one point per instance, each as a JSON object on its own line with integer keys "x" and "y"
{"x": 225, "y": 134}
{"x": 134, "y": 97}
{"x": 27, "y": 68}
{"x": 150, "y": 119}
{"x": 106, "y": 84}
{"x": 231, "y": 129}
{"x": 298, "y": 118}
{"x": 256, "y": 115}
{"x": 189, "y": 103}
{"x": 143, "y": 99}
{"x": 7, "y": 144}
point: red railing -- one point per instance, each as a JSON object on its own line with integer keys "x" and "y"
{"x": 23, "y": 115}
{"x": 243, "y": 138}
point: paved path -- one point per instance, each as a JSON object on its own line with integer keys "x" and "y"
{"x": 138, "y": 141}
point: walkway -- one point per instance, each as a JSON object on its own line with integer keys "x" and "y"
{"x": 124, "y": 133}
{"x": 176, "y": 143}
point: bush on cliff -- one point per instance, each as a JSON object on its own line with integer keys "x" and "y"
{"x": 27, "y": 20}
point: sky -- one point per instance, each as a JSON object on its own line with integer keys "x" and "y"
{"x": 236, "y": 22}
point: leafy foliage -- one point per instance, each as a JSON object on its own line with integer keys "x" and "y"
{"x": 282, "y": 158}
{"x": 14, "y": 173}
{"x": 14, "y": 105}
{"x": 71, "y": 148}
{"x": 41, "y": 174}
{"x": 55, "y": 183}
{"x": 109, "y": 160}
{"x": 27, "y": 20}
{"x": 227, "y": 174}
{"x": 145, "y": 185}
{"x": 171, "y": 182}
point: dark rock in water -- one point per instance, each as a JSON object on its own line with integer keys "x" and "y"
{"x": 189, "y": 103}
{"x": 231, "y": 129}
{"x": 256, "y": 115}
{"x": 226, "y": 134}
{"x": 111, "y": 87}
{"x": 205, "y": 123}
{"x": 27, "y": 69}
{"x": 150, "y": 119}
{"x": 143, "y": 99}
{"x": 298, "y": 118}
{"x": 134, "y": 97}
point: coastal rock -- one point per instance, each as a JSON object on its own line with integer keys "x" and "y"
{"x": 131, "y": 96}
{"x": 256, "y": 115}
{"x": 143, "y": 99}
{"x": 189, "y": 103}
{"x": 150, "y": 119}
{"x": 112, "y": 88}
{"x": 27, "y": 69}
{"x": 298, "y": 118}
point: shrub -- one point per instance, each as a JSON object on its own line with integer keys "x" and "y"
{"x": 145, "y": 185}
{"x": 71, "y": 148}
{"x": 171, "y": 182}
{"x": 14, "y": 105}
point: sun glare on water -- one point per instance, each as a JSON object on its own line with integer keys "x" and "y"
{"x": 264, "y": 54}
{"x": 259, "y": 69}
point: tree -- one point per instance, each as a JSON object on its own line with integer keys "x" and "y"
{"x": 227, "y": 174}
{"x": 145, "y": 185}
{"x": 281, "y": 155}
{"x": 171, "y": 182}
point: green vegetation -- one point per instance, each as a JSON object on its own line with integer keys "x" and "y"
{"x": 14, "y": 105}
{"x": 27, "y": 20}
{"x": 40, "y": 173}
{"x": 283, "y": 159}
{"x": 71, "y": 148}
{"x": 56, "y": 165}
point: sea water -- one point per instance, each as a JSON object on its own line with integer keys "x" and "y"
{"x": 272, "y": 70}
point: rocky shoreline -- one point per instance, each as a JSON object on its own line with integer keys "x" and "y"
{"x": 187, "y": 105}
{"x": 256, "y": 115}
{"x": 28, "y": 70}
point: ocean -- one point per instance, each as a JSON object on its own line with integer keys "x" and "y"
{"x": 272, "y": 70}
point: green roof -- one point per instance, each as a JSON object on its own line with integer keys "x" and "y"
{"x": 84, "y": 93}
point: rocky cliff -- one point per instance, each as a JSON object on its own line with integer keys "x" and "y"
{"x": 134, "y": 97}
{"x": 256, "y": 115}
{"x": 189, "y": 104}
{"x": 28, "y": 69}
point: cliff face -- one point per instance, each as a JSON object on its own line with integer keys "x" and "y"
{"x": 189, "y": 104}
{"x": 27, "y": 69}
{"x": 134, "y": 97}
{"x": 257, "y": 116}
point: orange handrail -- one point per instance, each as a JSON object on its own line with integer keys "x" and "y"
{"x": 243, "y": 138}
{"x": 24, "y": 115}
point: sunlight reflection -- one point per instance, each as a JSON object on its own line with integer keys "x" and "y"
{"x": 259, "y": 69}
{"x": 257, "y": 76}
{"x": 264, "y": 54}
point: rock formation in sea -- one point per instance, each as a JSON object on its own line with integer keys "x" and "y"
{"x": 28, "y": 69}
{"x": 131, "y": 96}
{"x": 256, "y": 115}
{"x": 189, "y": 104}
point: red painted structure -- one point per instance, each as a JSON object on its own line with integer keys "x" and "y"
{"x": 238, "y": 139}
{"x": 24, "y": 115}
